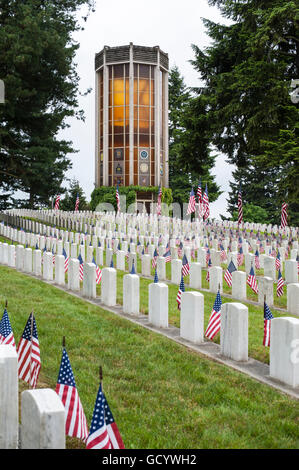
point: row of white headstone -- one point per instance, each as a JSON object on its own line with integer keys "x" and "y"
{"x": 81, "y": 220}
{"x": 234, "y": 316}
{"x": 32, "y": 261}
{"x": 42, "y": 414}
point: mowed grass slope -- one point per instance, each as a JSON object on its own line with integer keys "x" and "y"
{"x": 162, "y": 395}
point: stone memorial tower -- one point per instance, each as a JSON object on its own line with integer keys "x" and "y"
{"x": 131, "y": 142}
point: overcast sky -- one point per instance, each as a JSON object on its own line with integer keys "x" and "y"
{"x": 173, "y": 25}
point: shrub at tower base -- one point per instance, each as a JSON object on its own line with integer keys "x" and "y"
{"x": 106, "y": 194}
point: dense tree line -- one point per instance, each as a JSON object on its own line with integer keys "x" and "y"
{"x": 244, "y": 107}
{"x": 37, "y": 53}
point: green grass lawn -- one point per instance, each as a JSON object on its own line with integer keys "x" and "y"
{"x": 162, "y": 395}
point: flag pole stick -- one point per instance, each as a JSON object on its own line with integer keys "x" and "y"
{"x": 5, "y": 303}
{"x": 63, "y": 342}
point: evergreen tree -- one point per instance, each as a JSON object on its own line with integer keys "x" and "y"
{"x": 247, "y": 72}
{"x": 37, "y": 53}
{"x": 68, "y": 203}
{"x": 190, "y": 157}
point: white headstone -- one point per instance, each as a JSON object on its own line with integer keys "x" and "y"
{"x": 131, "y": 294}
{"x": 158, "y": 304}
{"x": 192, "y": 317}
{"x": 108, "y": 287}
{"x": 284, "y": 350}
{"x": 43, "y": 420}
{"x": 234, "y": 331}
{"x": 9, "y": 398}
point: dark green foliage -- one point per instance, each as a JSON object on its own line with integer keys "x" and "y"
{"x": 190, "y": 157}
{"x": 247, "y": 73}
{"x": 108, "y": 194}
{"x": 41, "y": 86}
{"x": 68, "y": 203}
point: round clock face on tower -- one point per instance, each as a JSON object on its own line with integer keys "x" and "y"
{"x": 144, "y": 167}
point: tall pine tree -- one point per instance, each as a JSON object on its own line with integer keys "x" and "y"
{"x": 247, "y": 72}
{"x": 37, "y": 53}
{"x": 190, "y": 157}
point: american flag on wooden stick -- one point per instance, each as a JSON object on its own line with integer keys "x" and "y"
{"x": 277, "y": 261}
{"x": 267, "y": 324}
{"x": 185, "y": 266}
{"x": 251, "y": 280}
{"x": 154, "y": 260}
{"x": 214, "y": 322}
{"x": 6, "y": 333}
{"x": 77, "y": 203}
{"x": 284, "y": 215}
{"x": 81, "y": 274}
{"x": 257, "y": 260}
{"x": 98, "y": 272}
{"x": 28, "y": 351}
{"x": 66, "y": 261}
{"x": 103, "y": 433}
{"x": 206, "y": 205}
{"x": 75, "y": 420}
{"x": 57, "y": 200}
{"x": 179, "y": 294}
{"x": 240, "y": 208}
{"x": 191, "y": 204}
{"x": 228, "y": 273}
{"x": 280, "y": 284}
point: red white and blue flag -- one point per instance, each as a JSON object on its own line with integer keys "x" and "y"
{"x": 57, "y": 200}
{"x": 117, "y": 199}
{"x": 251, "y": 281}
{"x": 228, "y": 273}
{"x": 214, "y": 322}
{"x": 28, "y": 350}
{"x": 77, "y": 203}
{"x": 267, "y": 324}
{"x": 185, "y": 266}
{"x": 280, "y": 284}
{"x": 103, "y": 433}
{"x": 6, "y": 333}
{"x": 75, "y": 420}
{"x": 205, "y": 203}
{"x": 191, "y": 204}
{"x": 179, "y": 294}
{"x": 284, "y": 215}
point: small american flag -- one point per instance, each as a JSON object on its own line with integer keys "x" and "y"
{"x": 277, "y": 261}
{"x": 28, "y": 351}
{"x": 257, "y": 260}
{"x": 240, "y": 208}
{"x": 199, "y": 196}
{"x": 284, "y": 215}
{"x": 98, "y": 272}
{"x": 179, "y": 294}
{"x": 75, "y": 420}
{"x": 280, "y": 284}
{"x": 81, "y": 274}
{"x": 154, "y": 260}
{"x": 191, "y": 205}
{"x": 206, "y": 206}
{"x": 251, "y": 281}
{"x": 6, "y": 333}
{"x": 214, "y": 322}
{"x": 77, "y": 203}
{"x": 240, "y": 256}
{"x": 223, "y": 256}
{"x": 185, "y": 266}
{"x": 156, "y": 280}
{"x": 228, "y": 273}
{"x": 103, "y": 433}
{"x": 57, "y": 200}
{"x": 66, "y": 261}
{"x": 117, "y": 199}
{"x": 167, "y": 256}
{"x": 267, "y": 324}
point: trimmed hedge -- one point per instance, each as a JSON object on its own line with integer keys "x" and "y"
{"x": 107, "y": 194}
